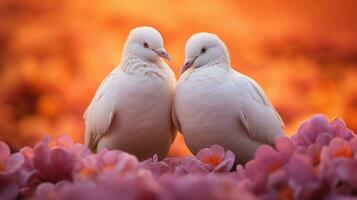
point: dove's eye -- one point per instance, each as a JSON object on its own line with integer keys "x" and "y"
{"x": 146, "y": 45}
{"x": 203, "y": 50}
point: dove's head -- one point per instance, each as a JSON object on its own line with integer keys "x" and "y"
{"x": 146, "y": 43}
{"x": 204, "y": 48}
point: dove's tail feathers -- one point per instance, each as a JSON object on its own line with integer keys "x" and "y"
{"x": 93, "y": 142}
{"x": 90, "y": 141}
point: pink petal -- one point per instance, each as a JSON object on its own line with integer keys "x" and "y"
{"x": 42, "y": 157}
{"x": 340, "y": 129}
{"x": 64, "y": 141}
{"x": 310, "y": 129}
{"x": 300, "y": 169}
{"x": 8, "y": 189}
{"x": 217, "y": 150}
{"x": 324, "y": 138}
{"x": 283, "y": 143}
{"x": 61, "y": 166}
{"x": 14, "y": 163}
{"x": 319, "y": 123}
{"x": 80, "y": 150}
{"x": 227, "y": 163}
{"x": 264, "y": 151}
{"x": 4, "y": 152}
{"x": 204, "y": 153}
{"x": 353, "y": 145}
{"x": 110, "y": 157}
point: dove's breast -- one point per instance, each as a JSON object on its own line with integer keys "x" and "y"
{"x": 205, "y": 108}
{"x": 142, "y": 122}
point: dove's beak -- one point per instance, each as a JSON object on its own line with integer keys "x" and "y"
{"x": 162, "y": 53}
{"x": 188, "y": 63}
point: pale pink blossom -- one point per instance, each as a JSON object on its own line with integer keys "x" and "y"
{"x": 216, "y": 159}
{"x": 105, "y": 161}
{"x": 13, "y": 175}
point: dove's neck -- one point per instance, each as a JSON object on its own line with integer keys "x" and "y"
{"x": 222, "y": 61}
{"x": 213, "y": 68}
{"x": 133, "y": 64}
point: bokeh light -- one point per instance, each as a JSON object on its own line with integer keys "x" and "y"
{"x": 54, "y": 54}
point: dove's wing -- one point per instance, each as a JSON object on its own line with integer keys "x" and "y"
{"x": 100, "y": 112}
{"x": 263, "y": 98}
{"x": 257, "y": 114}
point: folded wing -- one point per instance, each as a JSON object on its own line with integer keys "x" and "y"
{"x": 256, "y": 114}
{"x": 100, "y": 112}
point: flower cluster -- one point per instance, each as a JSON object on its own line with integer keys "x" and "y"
{"x": 318, "y": 162}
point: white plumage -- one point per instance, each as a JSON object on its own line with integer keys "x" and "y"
{"x": 131, "y": 110}
{"x": 214, "y": 104}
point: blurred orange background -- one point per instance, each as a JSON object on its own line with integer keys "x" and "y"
{"x": 54, "y": 54}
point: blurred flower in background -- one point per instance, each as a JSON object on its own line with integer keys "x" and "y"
{"x": 54, "y": 54}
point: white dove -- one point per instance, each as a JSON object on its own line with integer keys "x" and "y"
{"x": 131, "y": 110}
{"x": 214, "y": 104}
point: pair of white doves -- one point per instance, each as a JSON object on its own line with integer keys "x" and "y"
{"x": 139, "y": 106}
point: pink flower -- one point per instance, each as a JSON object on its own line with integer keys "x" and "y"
{"x": 48, "y": 190}
{"x": 340, "y": 174}
{"x": 303, "y": 178}
{"x": 281, "y": 174}
{"x": 132, "y": 186}
{"x": 278, "y": 187}
{"x": 338, "y": 148}
{"x": 310, "y": 130}
{"x": 297, "y": 180}
{"x": 106, "y": 161}
{"x": 189, "y": 165}
{"x": 12, "y": 173}
{"x": 195, "y": 187}
{"x": 156, "y": 167}
{"x": 66, "y": 142}
{"x": 53, "y": 165}
{"x": 267, "y": 161}
{"x": 338, "y": 166}
{"x": 216, "y": 159}
{"x": 51, "y": 161}
{"x": 178, "y": 166}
